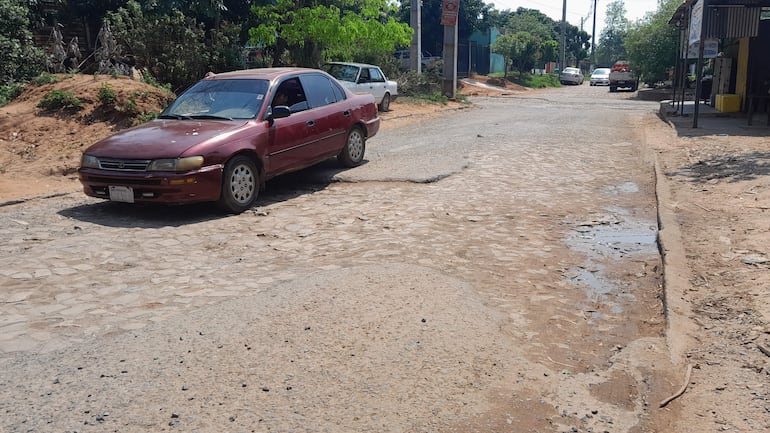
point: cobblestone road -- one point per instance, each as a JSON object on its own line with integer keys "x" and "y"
{"x": 520, "y": 195}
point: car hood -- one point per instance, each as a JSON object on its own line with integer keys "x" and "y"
{"x": 163, "y": 139}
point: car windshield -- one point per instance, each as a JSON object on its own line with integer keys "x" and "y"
{"x": 572, "y": 70}
{"x": 225, "y": 99}
{"x": 600, "y": 72}
{"x": 342, "y": 72}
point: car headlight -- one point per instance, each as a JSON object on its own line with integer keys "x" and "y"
{"x": 88, "y": 161}
{"x": 177, "y": 164}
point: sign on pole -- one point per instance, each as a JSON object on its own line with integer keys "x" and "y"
{"x": 696, "y": 22}
{"x": 449, "y": 10}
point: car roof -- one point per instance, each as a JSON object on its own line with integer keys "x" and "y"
{"x": 360, "y": 65}
{"x": 260, "y": 73}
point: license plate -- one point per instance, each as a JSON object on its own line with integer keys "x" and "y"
{"x": 122, "y": 193}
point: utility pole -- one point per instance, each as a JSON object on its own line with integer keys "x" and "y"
{"x": 415, "y": 50}
{"x": 563, "y": 45}
{"x": 593, "y": 41}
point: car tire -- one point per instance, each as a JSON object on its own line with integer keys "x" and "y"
{"x": 385, "y": 103}
{"x": 240, "y": 185}
{"x": 353, "y": 153}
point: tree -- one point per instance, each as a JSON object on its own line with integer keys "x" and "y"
{"x": 314, "y": 31}
{"x": 577, "y": 43}
{"x": 173, "y": 47}
{"x": 534, "y": 22}
{"x": 19, "y": 59}
{"x": 652, "y": 43}
{"x": 610, "y": 48}
{"x": 504, "y": 47}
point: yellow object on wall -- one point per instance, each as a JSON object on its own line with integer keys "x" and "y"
{"x": 728, "y": 103}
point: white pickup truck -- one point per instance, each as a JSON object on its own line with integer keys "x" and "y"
{"x": 622, "y": 76}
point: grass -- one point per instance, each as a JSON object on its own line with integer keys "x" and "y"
{"x": 530, "y": 80}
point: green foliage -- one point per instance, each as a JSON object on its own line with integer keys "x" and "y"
{"x": 58, "y": 100}
{"x": 652, "y": 44}
{"x": 522, "y": 49}
{"x": 45, "y": 78}
{"x": 340, "y": 32}
{"x": 147, "y": 78}
{"x": 432, "y": 97}
{"x": 19, "y": 59}
{"x": 539, "y": 81}
{"x": 173, "y": 47}
{"x": 9, "y": 92}
{"x": 106, "y": 95}
{"x": 410, "y": 83}
{"x": 533, "y": 81}
{"x": 611, "y": 41}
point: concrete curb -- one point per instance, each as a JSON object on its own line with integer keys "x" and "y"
{"x": 680, "y": 329}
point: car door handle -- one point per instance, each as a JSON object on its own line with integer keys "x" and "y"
{"x": 311, "y": 123}
{"x": 346, "y": 113}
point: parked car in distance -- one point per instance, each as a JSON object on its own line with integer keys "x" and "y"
{"x": 363, "y": 78}
{"x": 426, "y": 60}
{"x": 600, "y": 77}
{"x": 225, "y": 136}
{"x": 571, "y": 76}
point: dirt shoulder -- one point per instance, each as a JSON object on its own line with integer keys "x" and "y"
{"x": 714, "y": 194}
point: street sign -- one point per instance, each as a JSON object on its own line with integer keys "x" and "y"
{"x": 449, "y": 9}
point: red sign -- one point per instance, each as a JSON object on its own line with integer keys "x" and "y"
{"x": 449, "y": 9}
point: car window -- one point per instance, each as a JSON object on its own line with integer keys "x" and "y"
{"x": 342, "y": 72}
{"x": 364, "y": 77}
{"x": 227, "y": 98}
{"x": 375, "y": 75}
{"x": 294, "y": 94}
{"x": 321, "y": 90}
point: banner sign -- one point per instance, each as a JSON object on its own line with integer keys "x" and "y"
{"x": 710, "y": 49}
{"x": 696, "y": 22}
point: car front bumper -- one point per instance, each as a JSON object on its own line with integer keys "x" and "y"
{"x": 145, "y": 187}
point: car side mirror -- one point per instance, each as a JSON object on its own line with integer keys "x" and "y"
{"x": 278, "y": 112}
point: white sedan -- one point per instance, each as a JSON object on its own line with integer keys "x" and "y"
{"x": 363, "y": 78}
{"x": 571, "y": 76}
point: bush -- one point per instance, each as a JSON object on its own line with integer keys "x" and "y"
{"x": 539, "y": 81}
{"x": 20, "y": 60}
{"x": 58, "y": 99}
{"x": 9, "y": 92}
{"x": 174, "y": 48}
{"x": 45, "y": 78}
{"x": 106, "y": 95}
{"x": 410, "y": 83}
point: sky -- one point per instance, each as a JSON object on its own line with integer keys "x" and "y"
{"x": 635, "y": 9}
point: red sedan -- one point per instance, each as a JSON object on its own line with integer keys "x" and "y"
{"x": 223, "y": 138}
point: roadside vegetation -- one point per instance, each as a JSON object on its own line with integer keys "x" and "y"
{"x": 173, "y": 44}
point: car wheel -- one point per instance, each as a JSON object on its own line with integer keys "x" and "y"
{"x": 353, "y": 153}
{"x": 240, "y": 185}
{"x": 385, "y": 103}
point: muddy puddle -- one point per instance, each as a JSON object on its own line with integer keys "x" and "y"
{"x": 606, "y": 241}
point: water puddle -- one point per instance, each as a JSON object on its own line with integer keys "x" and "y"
{"x": 607, "y": 239}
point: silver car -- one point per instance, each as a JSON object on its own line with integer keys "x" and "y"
{"x": 600, "y": 77}
{"x": 571, "y": 76}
